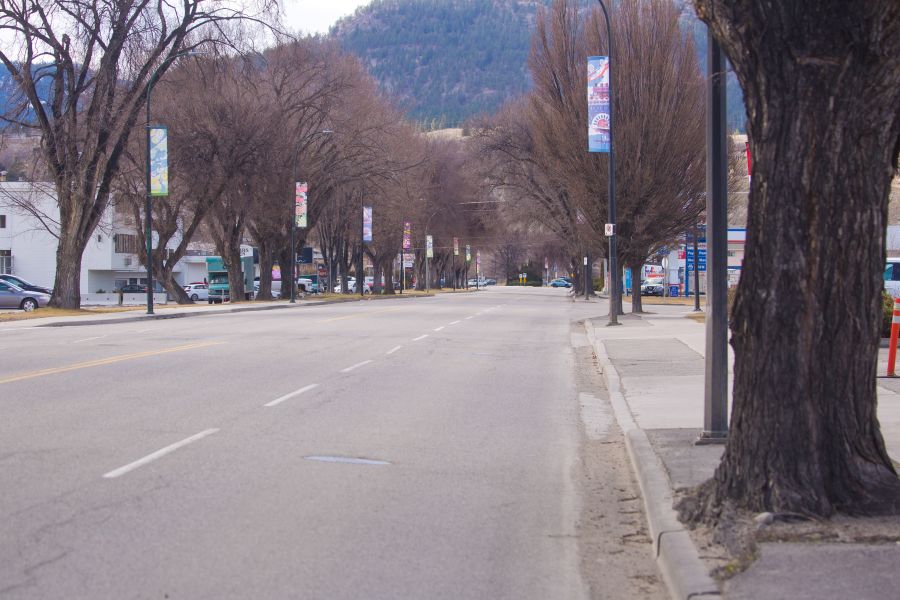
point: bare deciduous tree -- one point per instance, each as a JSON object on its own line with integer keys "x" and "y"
{"x": 95, "y": 59}
{"x": 822, "y": 89}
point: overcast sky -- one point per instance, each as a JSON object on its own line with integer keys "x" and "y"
{"x": 316, "y": 16}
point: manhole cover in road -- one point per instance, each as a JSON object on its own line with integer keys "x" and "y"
{"x": 348, "y": 460}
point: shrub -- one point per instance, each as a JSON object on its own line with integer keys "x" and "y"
{"x": 887, "y": 313}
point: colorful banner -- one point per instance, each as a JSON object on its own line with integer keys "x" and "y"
{"x": 455, "y": 246}
{"x": 367, "y": 223}
{"x": 429, "y": 247}
{"x": 158, "y": 142}
{"x": 468, "y": 253}
{"x": 300, "y": 196}
{"x": 599, "y": 116}
{"x": 407, "y": 235}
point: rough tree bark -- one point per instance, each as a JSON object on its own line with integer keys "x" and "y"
{"x": 636, "y": 303}
{"x": 821, "y": 82}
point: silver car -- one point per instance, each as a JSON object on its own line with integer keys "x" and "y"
{"x": 12, "y": 296}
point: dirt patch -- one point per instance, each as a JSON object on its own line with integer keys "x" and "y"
{"x": 732, "y": 546}
{"x": 617, "y": 559}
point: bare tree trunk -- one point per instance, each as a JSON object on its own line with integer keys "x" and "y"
{"x": 636, "y": 305}
{"x": 822, "y": 90}
{"x": 166, "y": 278}
{"x": 266, "y": 260}
{"x": 67, "y": 282}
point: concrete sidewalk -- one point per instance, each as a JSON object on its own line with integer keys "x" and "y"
{"x": 654, "y": 368}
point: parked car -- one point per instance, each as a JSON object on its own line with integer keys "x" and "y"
{"x": 133, "y": 288}
{"x": 563, "y": 283}
{"x": 25, "y": 285}
{"x": 12, "y": 296}
{"x": 652, "y": 289}
{"x": 490, "y": 281}
{"x": 276, "y": 288}
{"x": 351, "y": 287}
{"x": 197, "y": 291}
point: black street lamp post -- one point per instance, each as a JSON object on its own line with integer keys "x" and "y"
{"x": 148, "y": 207}
{"x": 615, "y": 275}
{"x": 294, "y": 215}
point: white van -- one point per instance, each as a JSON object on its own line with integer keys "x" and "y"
{"x": 892, "y": 276}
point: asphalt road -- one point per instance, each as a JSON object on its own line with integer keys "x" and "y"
{"x": 424, "y": 448}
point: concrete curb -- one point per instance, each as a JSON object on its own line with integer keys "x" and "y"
{"x": 679, "y": 561}
{"x": 175, "y": 314}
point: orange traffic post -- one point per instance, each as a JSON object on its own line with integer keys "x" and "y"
{"x": 895, "y": 333}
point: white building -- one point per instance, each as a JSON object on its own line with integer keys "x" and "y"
{"x": 29, "y": 225}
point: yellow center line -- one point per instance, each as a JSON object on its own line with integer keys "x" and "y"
{"x": 104, "y": 361}
{"x": 358, "y": 315}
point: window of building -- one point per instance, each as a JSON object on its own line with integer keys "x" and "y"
{"x": 2, "y": 221}
{"x": 126, "y": 243}
{"x": 6, "y": 262}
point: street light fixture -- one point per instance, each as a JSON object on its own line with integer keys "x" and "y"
{"x": 148, "y": 207}
{"x": 294, "y": 214}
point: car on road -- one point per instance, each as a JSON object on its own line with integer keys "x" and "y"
{"x": 490, "y": 281}
{"x": 560, "y": 283}
{"x": 24, "y": 284}
{"x": 12, "y": 296}
{"x": 197, "y": 291}
{"x": 652, "y": 289}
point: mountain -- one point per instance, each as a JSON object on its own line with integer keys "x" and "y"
{"x": 445, "y": 60}
{"x": 448, "y": 60}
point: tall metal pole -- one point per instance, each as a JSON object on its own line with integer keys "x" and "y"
{"x": 715, "y": 413}
{"x": 148, "y": 208}
{"x": 613, "y": 265}
{"x": 294, "y": 228}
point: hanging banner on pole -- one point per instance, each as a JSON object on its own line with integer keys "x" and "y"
{"x": 455, "y": 246}
{"x": 158, "y": 141}
{"x": 407, "y": 235}
{"x": 478, "y": 260}
{"x": 367, "y": 223}
{"x": 300, "y": 195}
{"x": 468, "y": 253}
{"x": 429, "y": 246}
{"x": 599, "y": 115}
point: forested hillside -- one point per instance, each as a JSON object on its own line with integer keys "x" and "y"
{"x": 447, "y": 60}
{"x": 444, "y": 59}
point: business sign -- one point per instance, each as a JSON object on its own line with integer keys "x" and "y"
{"x": 408, "y": 260}
{"x": 300, "y": 196}
{"x": 701, "y": 258}
{"x": 599, "y": 115}
{"x": 468, "y": 253}
{"x": 158, "y": 142}
{"x": 407, "y": 235}
{"x": 455, "y": 246}
{"x": 429, "y": 247}
{"x": 367, "y": 223}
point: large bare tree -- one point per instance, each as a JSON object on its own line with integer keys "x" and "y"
{"x": 821, "y": 84}
{"x": 94, "y": 58}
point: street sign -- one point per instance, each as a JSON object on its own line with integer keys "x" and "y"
{"x": 610, "y": 229}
